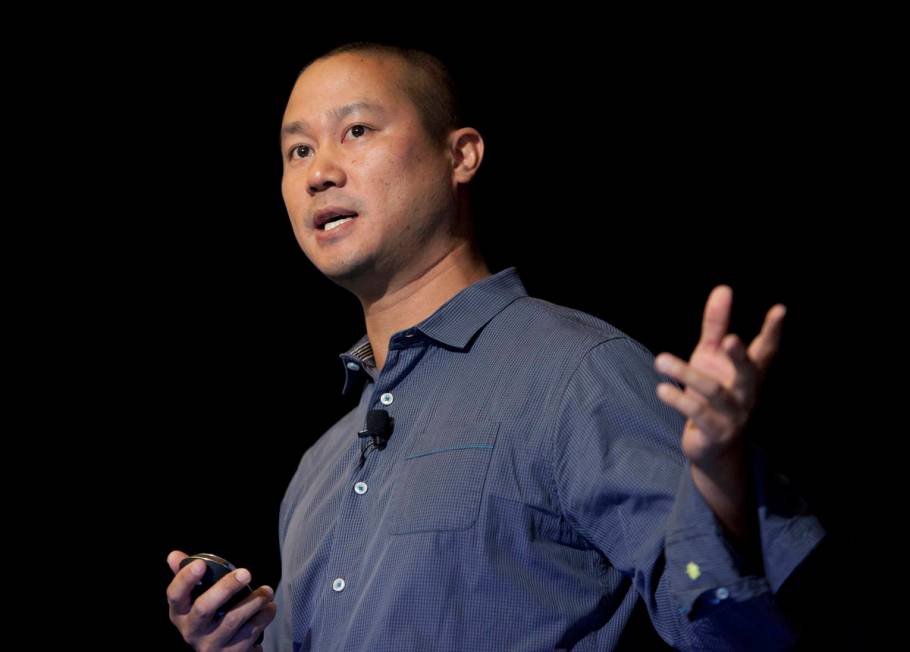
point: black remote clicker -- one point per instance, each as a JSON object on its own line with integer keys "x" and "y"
{"x": 215, "y": 568}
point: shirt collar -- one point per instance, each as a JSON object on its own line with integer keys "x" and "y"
{"x": 454, "y": 323}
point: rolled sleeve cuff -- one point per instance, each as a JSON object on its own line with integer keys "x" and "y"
{"x": 706, "y": 570}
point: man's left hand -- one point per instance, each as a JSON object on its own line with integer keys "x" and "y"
{"x": 721, "y": 381}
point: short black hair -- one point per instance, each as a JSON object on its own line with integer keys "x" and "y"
{"x": 429, "y": 84}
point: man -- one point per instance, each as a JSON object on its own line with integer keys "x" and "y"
{"x": 539, "y": 472}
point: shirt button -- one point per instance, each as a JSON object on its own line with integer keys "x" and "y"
{"x": 353, "y": 366}
{"x": 338, "y": 584}
{"x": 360, "y": 487}
{"x": 722, "y": 593}
{"x": 386, "y": 398}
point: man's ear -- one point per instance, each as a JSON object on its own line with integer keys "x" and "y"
{"x": 466, "y": 148}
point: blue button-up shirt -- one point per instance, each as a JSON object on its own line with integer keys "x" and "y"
{"x": 532, "y": 491}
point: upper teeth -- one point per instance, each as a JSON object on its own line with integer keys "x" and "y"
{"x": 331, "y": 225}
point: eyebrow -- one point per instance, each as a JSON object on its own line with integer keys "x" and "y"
{"x": 338, "y": 113}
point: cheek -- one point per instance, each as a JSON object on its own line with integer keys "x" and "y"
{"x": 388, "y": 180}
{"x": 292, "y": 190}
{"x": 422, "y": 183}
{"x": 292, "y": 205}
{"x": 286, "y": 191}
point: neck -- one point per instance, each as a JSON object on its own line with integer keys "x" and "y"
{"x": 418, "y": 295}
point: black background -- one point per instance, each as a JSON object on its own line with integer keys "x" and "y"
{"x": 181, "y": 353}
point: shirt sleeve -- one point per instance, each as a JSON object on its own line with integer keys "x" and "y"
{"x": 624, "y": 484}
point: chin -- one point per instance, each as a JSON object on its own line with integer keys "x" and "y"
{"x": 343, "y": 271}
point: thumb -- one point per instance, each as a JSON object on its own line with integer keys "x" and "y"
{"x": 174, "y": 559}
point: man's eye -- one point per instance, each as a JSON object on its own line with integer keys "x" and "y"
{"x": 363, "y": 127}
{"x": 297, "y": 148}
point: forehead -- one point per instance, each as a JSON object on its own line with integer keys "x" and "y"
{"x": 348, "y": 77}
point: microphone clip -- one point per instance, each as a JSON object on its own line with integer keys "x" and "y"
{"x": 378, "y": 441}
{"x": 379, "y": 429}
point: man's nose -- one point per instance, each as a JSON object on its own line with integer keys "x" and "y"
{"x": 325, "y": 171}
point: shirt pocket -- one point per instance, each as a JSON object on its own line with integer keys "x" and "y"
{"x": 442, "y": 477}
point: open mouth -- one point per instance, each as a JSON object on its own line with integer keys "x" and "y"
{"x": 336, "y": 220}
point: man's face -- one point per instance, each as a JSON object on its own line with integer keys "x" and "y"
{"x": 377, "y": 162}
